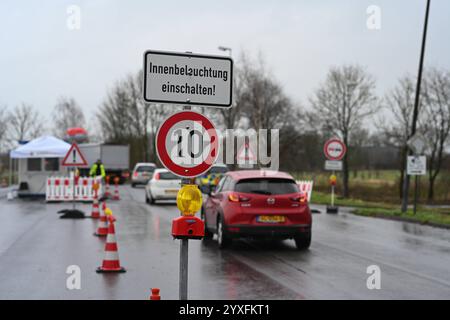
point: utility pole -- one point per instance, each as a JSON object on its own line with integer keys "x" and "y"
{"x": 416, "y": 106}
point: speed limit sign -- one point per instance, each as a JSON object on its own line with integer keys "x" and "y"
{"x": 187, "y": 144}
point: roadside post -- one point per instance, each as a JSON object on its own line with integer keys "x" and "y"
{"x": 333, "y": 180}
{"x": 74, "y": 159}
{"x": 187, "y": 142}
{"x": 417, "y": 163}
{"x": 334, "y": 150}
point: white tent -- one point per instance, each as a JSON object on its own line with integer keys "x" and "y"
{"x": 39, "y": 159}
{"x": 43, "y": 147}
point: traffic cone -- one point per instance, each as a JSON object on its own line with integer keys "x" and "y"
{"x": 107, "y": 192}
{"x": 102, "y": 230}
{"x": 111, "y": 261}
{"x": 95, "y": 213}
{"x": 116, "y": 189}
{"x": 155, "y": 294}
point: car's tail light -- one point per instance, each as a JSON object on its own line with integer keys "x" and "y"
{"x": 156, "y": 176}
{"x": 301, "y": 198}
{"x": 237, "y": 198}
{"x": 136, "y": 173}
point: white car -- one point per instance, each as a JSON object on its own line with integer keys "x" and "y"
{"x": 142, "y": 173}
{"x": 163, "y": 185}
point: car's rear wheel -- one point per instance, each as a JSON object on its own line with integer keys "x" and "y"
{"x": 150, "y": 199}
{"x": 303, "y": 242}
{"x": 208, "y": 234}
{"x": 222, "y": 238}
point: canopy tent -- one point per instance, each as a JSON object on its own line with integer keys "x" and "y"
{"x": 43, "y": 147}
{"x": 36, "y": 161}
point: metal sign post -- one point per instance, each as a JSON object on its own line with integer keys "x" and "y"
{"x": 416, "y": 166}
{"x": 334, "y": 150}
{"x": 332, "y": 193}
{"x": 416, "y": 187}
{"x": 73, "y": 159}
{"x": 187, "y": 142}
{"x": 184, "y": 258}
{"x": 184, "y": 249}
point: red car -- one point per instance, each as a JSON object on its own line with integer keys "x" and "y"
{"x": 257, "y": 204}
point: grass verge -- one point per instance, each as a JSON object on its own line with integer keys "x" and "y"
{"x": 325, "y": 198}
{"x": 434, "y": 217}
{"x": 422, "y": 216}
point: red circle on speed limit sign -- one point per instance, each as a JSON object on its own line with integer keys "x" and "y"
{"x": 187, "y": 144}
{"x": 334, "y": 149}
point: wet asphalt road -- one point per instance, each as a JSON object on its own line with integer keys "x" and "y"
{"x": 36, "y": 247}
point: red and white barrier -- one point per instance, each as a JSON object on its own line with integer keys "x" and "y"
{"x": 306, "y": 186}
{"x": 63, "y": 189}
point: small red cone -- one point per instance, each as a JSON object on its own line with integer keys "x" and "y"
{"x": 102, "y": 230}
{"x": 107, "y": 192}
{"x": 111, "y": 261}
{"x": 95, "y": 213}
{"x": 116, "y": 189}
{"x": 155, "y": 294}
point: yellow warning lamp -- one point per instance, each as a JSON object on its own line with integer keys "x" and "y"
{"x": 333, "y": 180}
{"x": 96, "y": 186}
{"x": 108, "y": 212}
{"x": 189, "y": 200}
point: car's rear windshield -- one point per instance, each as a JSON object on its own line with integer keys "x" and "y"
{"x": 216, "y": 170}
{"x": 269, "y": 186}
{"x": 145, "y": 169}
{"x": 168, "y": 176}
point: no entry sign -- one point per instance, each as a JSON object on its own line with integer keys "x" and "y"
{"x": 334, "y": 149}
{"x": 186, "y": 78}
{"x": 187, "y": 144}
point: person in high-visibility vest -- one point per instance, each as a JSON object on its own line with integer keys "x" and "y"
{"x": 98, "y": 169}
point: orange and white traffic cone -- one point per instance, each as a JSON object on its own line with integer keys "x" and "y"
{"x": 102, "y": 229}
{"x": 116, "y": 189}
{"x": 155, "y": 294}
{"x": 107, "y": 192}
{"x": 95, "y": 213}
{"x": 111, "y": 261}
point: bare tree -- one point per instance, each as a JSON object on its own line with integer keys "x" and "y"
{"x": 342, "y": 102}
{"x": 67, "y": 114}
{"x": 4, "y": 124}
{"x": 262, "y": 99}
{"x": 231, "y": 117}
{"x": 435, "y": 122}
{"x": 400, "y": 103}
{"x": 25, "y": 123}
{"x": 125, "y": 118}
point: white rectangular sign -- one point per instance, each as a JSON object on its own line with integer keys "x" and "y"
{"x": 189, "y": 79}
{"x": 417, "y": 165}
{"x": 333, "y": 165}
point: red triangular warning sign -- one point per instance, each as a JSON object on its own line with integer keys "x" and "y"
{"x": 246, "y": 154}
{"x": 74, "y": 157}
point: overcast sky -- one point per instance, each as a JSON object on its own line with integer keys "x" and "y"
{"x": 41, "y": 58}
